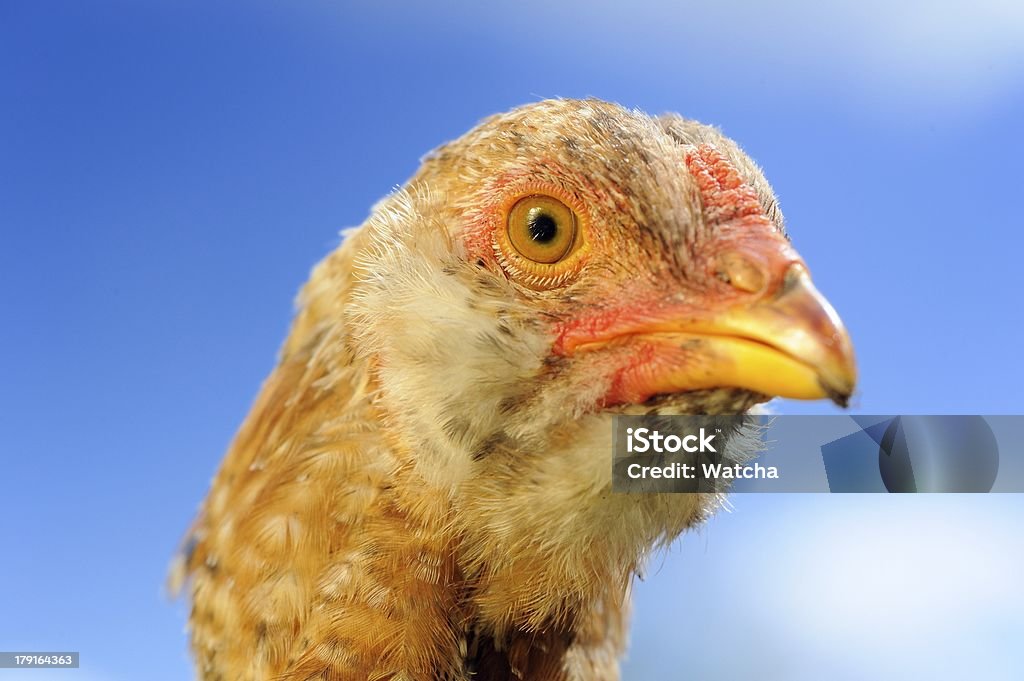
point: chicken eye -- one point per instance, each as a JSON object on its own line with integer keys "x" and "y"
{"x": 541, "y": 228}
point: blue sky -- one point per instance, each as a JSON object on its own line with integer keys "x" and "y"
{"x": 170, "y": 171}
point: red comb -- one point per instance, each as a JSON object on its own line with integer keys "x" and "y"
{"x": 725, "y": 195}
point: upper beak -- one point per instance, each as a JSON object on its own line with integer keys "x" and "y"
{"x": 789, "y": 343}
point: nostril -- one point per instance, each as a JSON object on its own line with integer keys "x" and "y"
{"x": 739, "y": 272}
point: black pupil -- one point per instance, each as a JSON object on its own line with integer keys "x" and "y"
{"x": 543, "y": 227}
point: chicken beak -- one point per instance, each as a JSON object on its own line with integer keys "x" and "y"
{"x": 788, "y": 344}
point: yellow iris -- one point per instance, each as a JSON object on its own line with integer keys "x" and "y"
{"x": 541, "y": 228}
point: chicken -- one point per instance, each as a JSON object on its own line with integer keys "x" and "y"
{"x": 421, "y": 491}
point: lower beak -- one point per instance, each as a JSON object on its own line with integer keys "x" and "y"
{"x": 791, "y": 344}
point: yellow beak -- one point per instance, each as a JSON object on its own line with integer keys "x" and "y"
{"x": 789, "y": 344}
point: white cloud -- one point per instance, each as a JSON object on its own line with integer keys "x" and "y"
{"x": 897, "y": 55}
{"x": 940, "y": 49}
{"x": 884, "y": 579}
